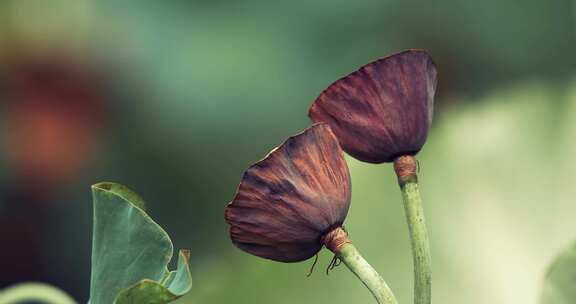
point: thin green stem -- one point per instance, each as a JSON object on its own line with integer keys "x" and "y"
{"x": 420, "y": 242}
{"x": 366, "y": 273}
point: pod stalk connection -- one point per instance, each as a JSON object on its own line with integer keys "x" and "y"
{"x": 335, "y": 239}
{"x": 405, "y": 167}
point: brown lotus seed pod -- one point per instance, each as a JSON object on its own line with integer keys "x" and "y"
{"x": 384, "y": 109}
{"x": 294, "y": 201}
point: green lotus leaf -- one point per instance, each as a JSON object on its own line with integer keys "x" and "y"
{"x": 130, "y": 252}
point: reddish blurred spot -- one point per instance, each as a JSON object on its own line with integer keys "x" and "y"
{"x": 54, "y": 107}
{"x": 52, "y": 119}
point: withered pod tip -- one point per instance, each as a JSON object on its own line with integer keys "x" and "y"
{"x": 287, "y": 202}
{"x": 384, "y": 109}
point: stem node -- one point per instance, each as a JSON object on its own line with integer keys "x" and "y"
{"x": 405, "y": 167}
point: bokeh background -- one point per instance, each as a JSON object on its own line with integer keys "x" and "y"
{"x": 177, "y": 98}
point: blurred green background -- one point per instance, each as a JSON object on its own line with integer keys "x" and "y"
{"x": 177, "y": 98}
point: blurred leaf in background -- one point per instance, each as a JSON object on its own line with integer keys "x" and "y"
{"x": 560, "y": 279}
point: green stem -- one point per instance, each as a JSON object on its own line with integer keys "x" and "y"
{"x": 369, "y": 277}
{"x": 34, "y": 292}
{"x": 419, "y": 239}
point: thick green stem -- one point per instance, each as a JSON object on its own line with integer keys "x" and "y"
{"x": 420, "y": 243}
{"x": 405, "y": 167}
{"x": 350, "y": 256}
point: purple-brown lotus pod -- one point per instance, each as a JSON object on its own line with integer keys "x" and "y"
{"x": 294, "y": 201}
{"x": 384, "y": 109}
